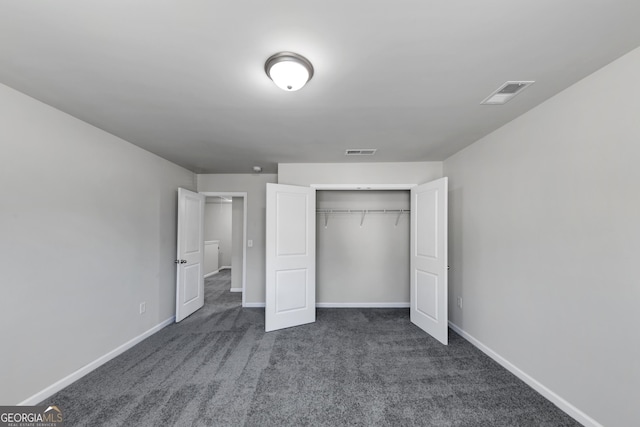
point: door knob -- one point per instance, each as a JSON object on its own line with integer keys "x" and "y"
{"x": 183, "y": 261}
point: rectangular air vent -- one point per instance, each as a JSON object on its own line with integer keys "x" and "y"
{"x": 360, "y": 151}
{"x": 505, "y": 92}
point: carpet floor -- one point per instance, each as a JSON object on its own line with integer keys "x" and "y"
{"x": 352, "y": 367}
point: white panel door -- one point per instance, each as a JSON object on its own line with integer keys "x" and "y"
{"x": 290, "y": 256}
{"x": 429, "y": 258}
{"x": 190, "y": 259}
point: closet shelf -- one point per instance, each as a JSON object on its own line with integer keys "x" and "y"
{"x": 362, "y": 212}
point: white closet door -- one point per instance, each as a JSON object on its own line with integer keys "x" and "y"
{"x": 290, "y": 256}
{"x": 429, "y": 258}
{"x": 190, "y": 258}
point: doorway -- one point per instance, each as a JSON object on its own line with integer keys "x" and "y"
{"x": 232, "y": 244}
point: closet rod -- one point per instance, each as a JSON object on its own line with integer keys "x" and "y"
{"x": 363, "y": 212}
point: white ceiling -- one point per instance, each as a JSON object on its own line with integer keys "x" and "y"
{"x": 185, "y": 78}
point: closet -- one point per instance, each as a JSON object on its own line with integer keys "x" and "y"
{"x": 290, "y": 246}
{"x": 362, "y": 248}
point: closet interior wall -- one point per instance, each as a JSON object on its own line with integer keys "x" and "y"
{"x": 362, "y": 260}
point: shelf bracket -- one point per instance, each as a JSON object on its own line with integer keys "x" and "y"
{"x": 362, "y": 218}
{"x": 398, "y": 217}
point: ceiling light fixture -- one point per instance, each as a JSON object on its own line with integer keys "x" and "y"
{"x": 288, "y": 70}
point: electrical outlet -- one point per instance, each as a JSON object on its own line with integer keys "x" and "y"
{"x": 143, "y": 307}
{"x": 459, "y": 302}
{"x": 250, "y": 243}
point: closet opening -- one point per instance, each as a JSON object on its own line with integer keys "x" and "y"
{"x": 292, "y": 279}
{"x": 363, "y": 248}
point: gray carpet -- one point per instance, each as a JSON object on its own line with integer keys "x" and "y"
{"x": 353, "y": 367}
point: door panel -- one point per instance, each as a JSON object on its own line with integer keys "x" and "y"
{"x": 191, "y": 283}
{"x": 291, "y": 217}
{"x": 427, "y": 294}
{"x": 190, "y": 254}
{"x": 426, "y": 227}
{"x": 429, "y": 258}
{"x": 290, "y": 256}
{"x": 291, "y": 290}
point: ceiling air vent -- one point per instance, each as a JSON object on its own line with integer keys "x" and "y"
{"x": 506, "y": 92}
{"x": 360, "y": 151}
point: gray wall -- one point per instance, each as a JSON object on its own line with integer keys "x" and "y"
{"x": 255, "y": 187}
{"x": 362, "y": 264}
{"x": 360, "y": 274}
{"x": 217, "y": 226}
{"x": 358, "y": 173}
{"x": 88, "y": 226}
{"x": 237, "y": 213}
{"x": 545, "y": 240}
{"x": 304, "y": 174}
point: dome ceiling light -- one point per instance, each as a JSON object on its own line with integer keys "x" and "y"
{"x": 288, "y": 70}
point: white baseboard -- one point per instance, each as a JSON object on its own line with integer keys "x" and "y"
{"x": 567, "y": 407}
{"x": 363, "y": 305}
{"x": 71, "y": 378}
{"x": 254, "y": 304}
{"x": 212, "y": 273}
{"x": 236, "y": 289}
